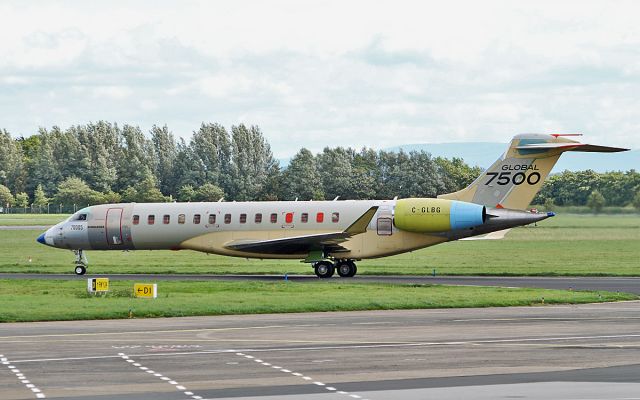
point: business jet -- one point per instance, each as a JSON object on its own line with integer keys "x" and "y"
{"x": 329, "y": 235}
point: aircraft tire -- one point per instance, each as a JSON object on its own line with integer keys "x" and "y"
{"x": 353, "y": 270}
{"x": 324, "y": 269}
{"x": 344, "y": 269}
{"x": 80, "y": 270}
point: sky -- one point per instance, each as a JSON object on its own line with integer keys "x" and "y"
{"x": 327, "y": 73}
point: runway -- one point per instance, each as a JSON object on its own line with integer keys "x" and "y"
{"x": 612, "y": 284}
{"x": 589, "y": 351}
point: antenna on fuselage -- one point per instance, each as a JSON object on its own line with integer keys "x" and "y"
{"x": 221, "y": 198}
{"x": 336, "y": 199}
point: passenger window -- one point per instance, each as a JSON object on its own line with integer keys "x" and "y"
{"x": 335, "y": 217}
{"x": 274, "y": 218}
{"x": 320, "y": 217}
{"x": 304, "y": 217}
{"x": 258, "y": 218}
{"x": 166, "y": 219}
{"x": 196, "y": 219}
{"x": 151, "y": 219}
{"x": 136, "y": 219}
{"x": 181, "y": 218}
{"x": 243, "y": 218}
{"x": 288, "y": 218}
{"x": 212, "y": 219}
{"x": 227, "y": 218}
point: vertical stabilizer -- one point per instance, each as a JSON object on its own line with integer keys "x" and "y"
{"x": 515, "y": 178}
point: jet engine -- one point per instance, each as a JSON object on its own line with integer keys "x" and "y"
{"x": 424, "y": 215}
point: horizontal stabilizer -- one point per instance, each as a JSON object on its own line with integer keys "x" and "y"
{"x": 590, "y": 148}
{"x": 490, "y": 236}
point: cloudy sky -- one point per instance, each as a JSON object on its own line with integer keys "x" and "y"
{"x": 314, "y": 74}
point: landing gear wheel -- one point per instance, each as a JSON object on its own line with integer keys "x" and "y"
{"x": 81, "y": 262}
{"x": 346, "y": 269}
{"x": 324, "y": 269}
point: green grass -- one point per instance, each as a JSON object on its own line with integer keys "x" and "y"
{"x": 31, "y": 219}
{"x": 37, "y": 300}
{"x": 564, "y": 245}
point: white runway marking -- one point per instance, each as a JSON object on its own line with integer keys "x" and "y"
{"x": 22, "y": 378}
{"x": 148, "y": 332}
{"x": 530, "y": 341}
{"x": 299, "y": 375}
{"x": 164, "y": 378}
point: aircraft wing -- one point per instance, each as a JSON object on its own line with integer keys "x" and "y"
{"x": 303, "y": 244}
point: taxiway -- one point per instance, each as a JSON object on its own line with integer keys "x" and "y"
{"x": 589, "y": 351}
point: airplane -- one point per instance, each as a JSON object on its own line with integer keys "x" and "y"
{"x": 329, "y": 235}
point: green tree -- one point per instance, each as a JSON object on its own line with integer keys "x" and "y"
{"x": 549, "y": 204}
{"x": 75, "y": 191}
{"x": 43, "y": 166}
{"x": 22, "y": 200}
{"x": 636, "y": 200}
{"x": 189, "y": 168}
{"x": 209, "y": 192}
{"x": 12, "y": 173}
{"x": 6, "y": 198}
{"x": 40, "y": 198}
{"x": 301, "y": 179}
{"x": 252, "y": 162}
{"x": 211, "y": 146}
{"x": 145, "y": 192}
{"x": 111, "y": 197}
{"x": 334, "y": 166}
{"x": 136, "y": 159}
{"x": 186, "y": 193}
{"x": 164, "y": 145}
{"x": 596, "y": 201}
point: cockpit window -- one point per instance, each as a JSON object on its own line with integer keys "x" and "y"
{"x": 80, "y": 217}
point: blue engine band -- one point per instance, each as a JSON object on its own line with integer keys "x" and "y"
{"x": 465, "y": 215}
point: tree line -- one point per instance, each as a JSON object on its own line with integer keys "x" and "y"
{"x": 104, "y": 162}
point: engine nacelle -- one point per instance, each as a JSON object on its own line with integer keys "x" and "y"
{"x": 437, "y": 215}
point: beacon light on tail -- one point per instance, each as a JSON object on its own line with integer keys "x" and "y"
{"x": 331, "y": 235}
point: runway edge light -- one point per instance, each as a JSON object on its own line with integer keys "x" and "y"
{"x": 145, "y": 290}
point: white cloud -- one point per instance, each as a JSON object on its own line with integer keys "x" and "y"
{"x": 327, "y": 72}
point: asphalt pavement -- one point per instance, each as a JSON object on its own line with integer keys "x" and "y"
{"x": 589, "y": 351}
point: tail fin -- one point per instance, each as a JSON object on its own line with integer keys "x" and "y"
{"x": 515, "y": 178}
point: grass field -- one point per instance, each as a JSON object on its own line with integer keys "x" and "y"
{"x": 31, "y": 219}
{"x": 563, "y": 245}
{"x": 37, "y": 300}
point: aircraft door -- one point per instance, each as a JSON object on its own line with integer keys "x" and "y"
{"x": 114, "y": 227}
{"x": 384, "y": 222}
{"x": 384, "y": 226}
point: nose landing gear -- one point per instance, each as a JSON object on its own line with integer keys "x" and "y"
{"x": 326, "y": 269}
{"x": 81, "y": 262}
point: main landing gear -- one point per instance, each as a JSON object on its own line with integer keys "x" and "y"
{"x": 81, "y": 262}
{"x": 326, "y": 269}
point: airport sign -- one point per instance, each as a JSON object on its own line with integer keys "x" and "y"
{"x": 145, "y": 290}
{"x": 95, "y": 285}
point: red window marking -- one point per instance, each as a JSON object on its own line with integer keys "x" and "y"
{"x": 320, "y": 217}
{"x": 288, "y": 218}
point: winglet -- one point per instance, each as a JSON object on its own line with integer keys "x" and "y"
{"x": 360, "y": 225}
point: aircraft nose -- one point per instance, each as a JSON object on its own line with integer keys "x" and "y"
{"x": 40, "y": 239}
